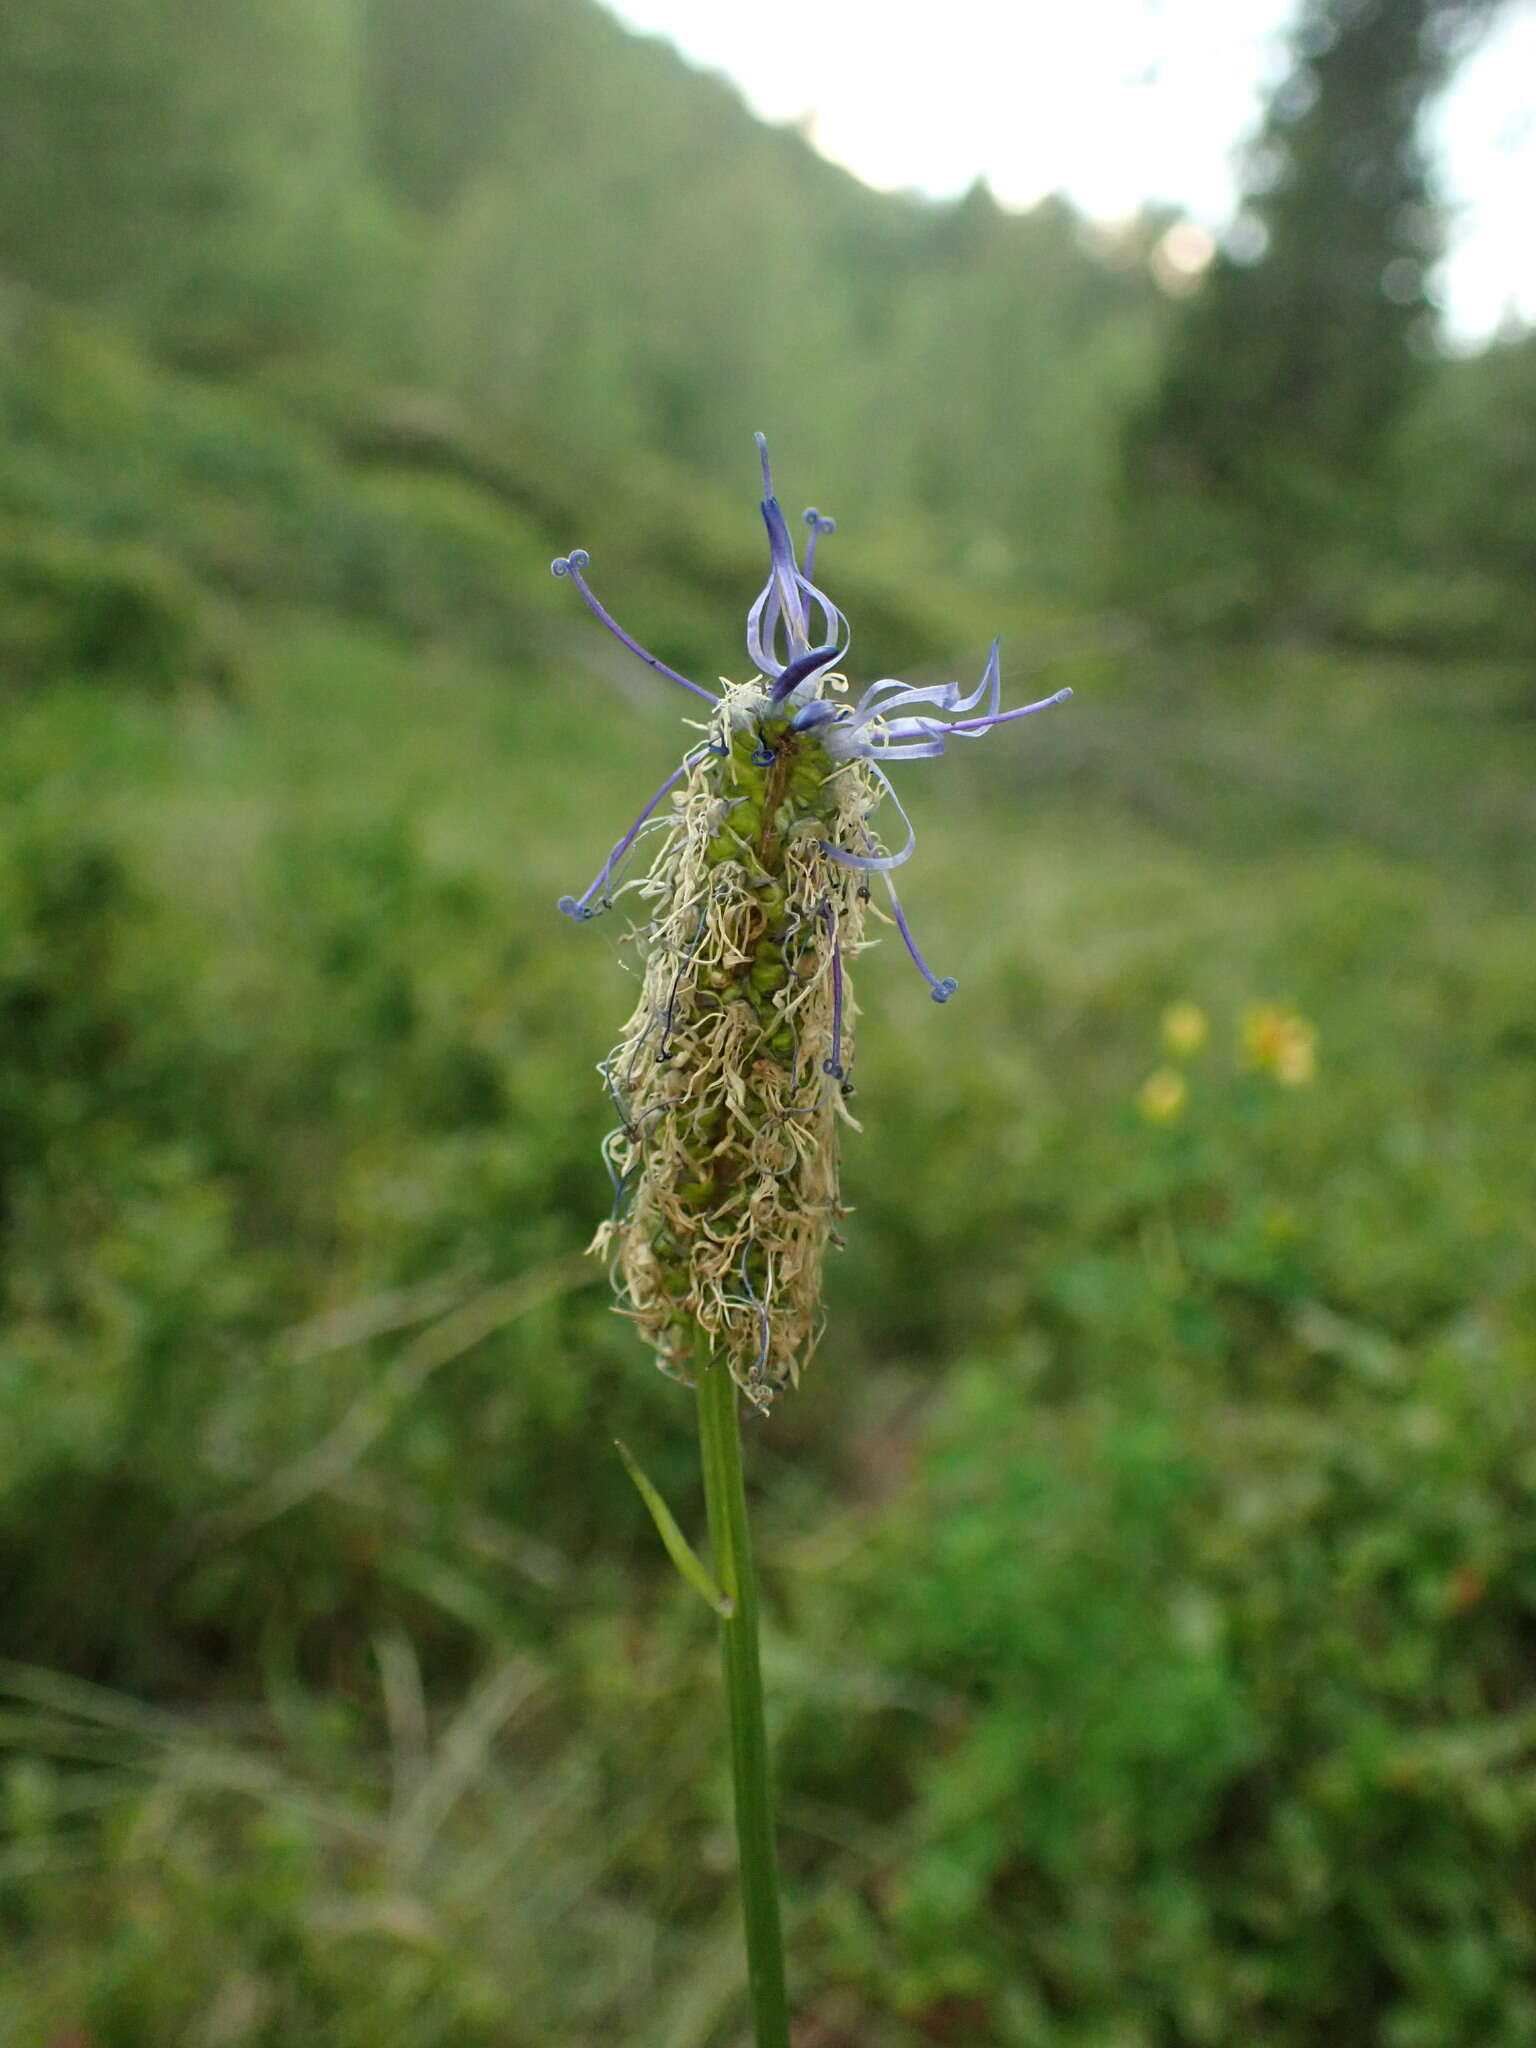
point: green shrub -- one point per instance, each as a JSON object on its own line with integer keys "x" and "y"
{"x": 71, "y": 609}
{"x": 1216, "y": 1727}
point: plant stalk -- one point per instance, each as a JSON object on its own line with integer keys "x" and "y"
{"x": 726, "y": 1502}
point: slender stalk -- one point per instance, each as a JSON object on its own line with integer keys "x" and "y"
{"x": 720, "y": 1444}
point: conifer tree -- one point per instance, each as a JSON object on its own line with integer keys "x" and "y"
{"x": 1288, "y": 371}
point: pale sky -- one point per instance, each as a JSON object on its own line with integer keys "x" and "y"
{"x": 1113, "y": 102}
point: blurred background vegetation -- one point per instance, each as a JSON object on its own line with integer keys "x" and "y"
{"x": 1151, "y": 1555}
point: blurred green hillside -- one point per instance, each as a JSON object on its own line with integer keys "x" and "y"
{"x": 1151, "y": 1553}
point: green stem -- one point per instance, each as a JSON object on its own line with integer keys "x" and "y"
{"x": 720, "y": 1443}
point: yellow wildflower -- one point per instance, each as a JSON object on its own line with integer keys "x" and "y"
{"x": 1163, "y": 1095}
{"x": 1185, "y": 1029}
{"x": 1281, "y": 1042}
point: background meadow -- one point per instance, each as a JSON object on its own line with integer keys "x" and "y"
{"x": 1150, "y": 1556}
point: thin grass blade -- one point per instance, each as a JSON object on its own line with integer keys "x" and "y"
{"x": 678, "y": 1548}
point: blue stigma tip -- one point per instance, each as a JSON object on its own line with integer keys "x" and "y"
{"x": 763, "y": 758}
{"x": 831, "y": 1067}
{"x": 943, "y": 990}
{"x": 567, "y": 905}
{"x": 560, "y": 566}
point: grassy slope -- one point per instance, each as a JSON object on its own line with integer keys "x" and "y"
{"x": 1157, "y": 1491}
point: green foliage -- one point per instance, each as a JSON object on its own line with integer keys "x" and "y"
{"x": 1149, "y": 1558}
{"x": 1167, "y": 1678}
{"x": 1299, "y": 361}
{"x": 1303, "y": 454}
{"x": 444, "y": 197}
{"x": 194, "y": 164}
{"x": 114, "y": 614}
{"x": 136, "y": 504}
{"x": 1227, "y": 1734}
{"x": 377, "y": 174}
{"x": 1474, "y": 434}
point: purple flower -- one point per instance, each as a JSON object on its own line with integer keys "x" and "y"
{"x": 779, "y": 625}
{"x": 797, "y": 640}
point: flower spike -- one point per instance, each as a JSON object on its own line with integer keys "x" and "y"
{"x": 732, "y": 1076}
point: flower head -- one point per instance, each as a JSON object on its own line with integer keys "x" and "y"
{"x": 1185, "y": 1029}
{"x": 736, "y": 1067}
{"x": 1163, "y": 1095}
{"x": 1281, "y": 1042}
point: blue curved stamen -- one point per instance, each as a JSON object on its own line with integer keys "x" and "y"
{"x": 628, "y": 1127}
{"x": 664, "y": 1050}
{"x": 876, "y": 862}
{"x": 572, "y": 565}
{"x": 752, "y": 1300}
{"x": 819, "y": 524}
{"x": 580, "y": 907}
{"x": 620, "y": 1180}
{"x": 833, "y": 1066}
{"x": 791, "y": 931}
{"x": 942, "y": 987}
{"x": 620, "y": 1106}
